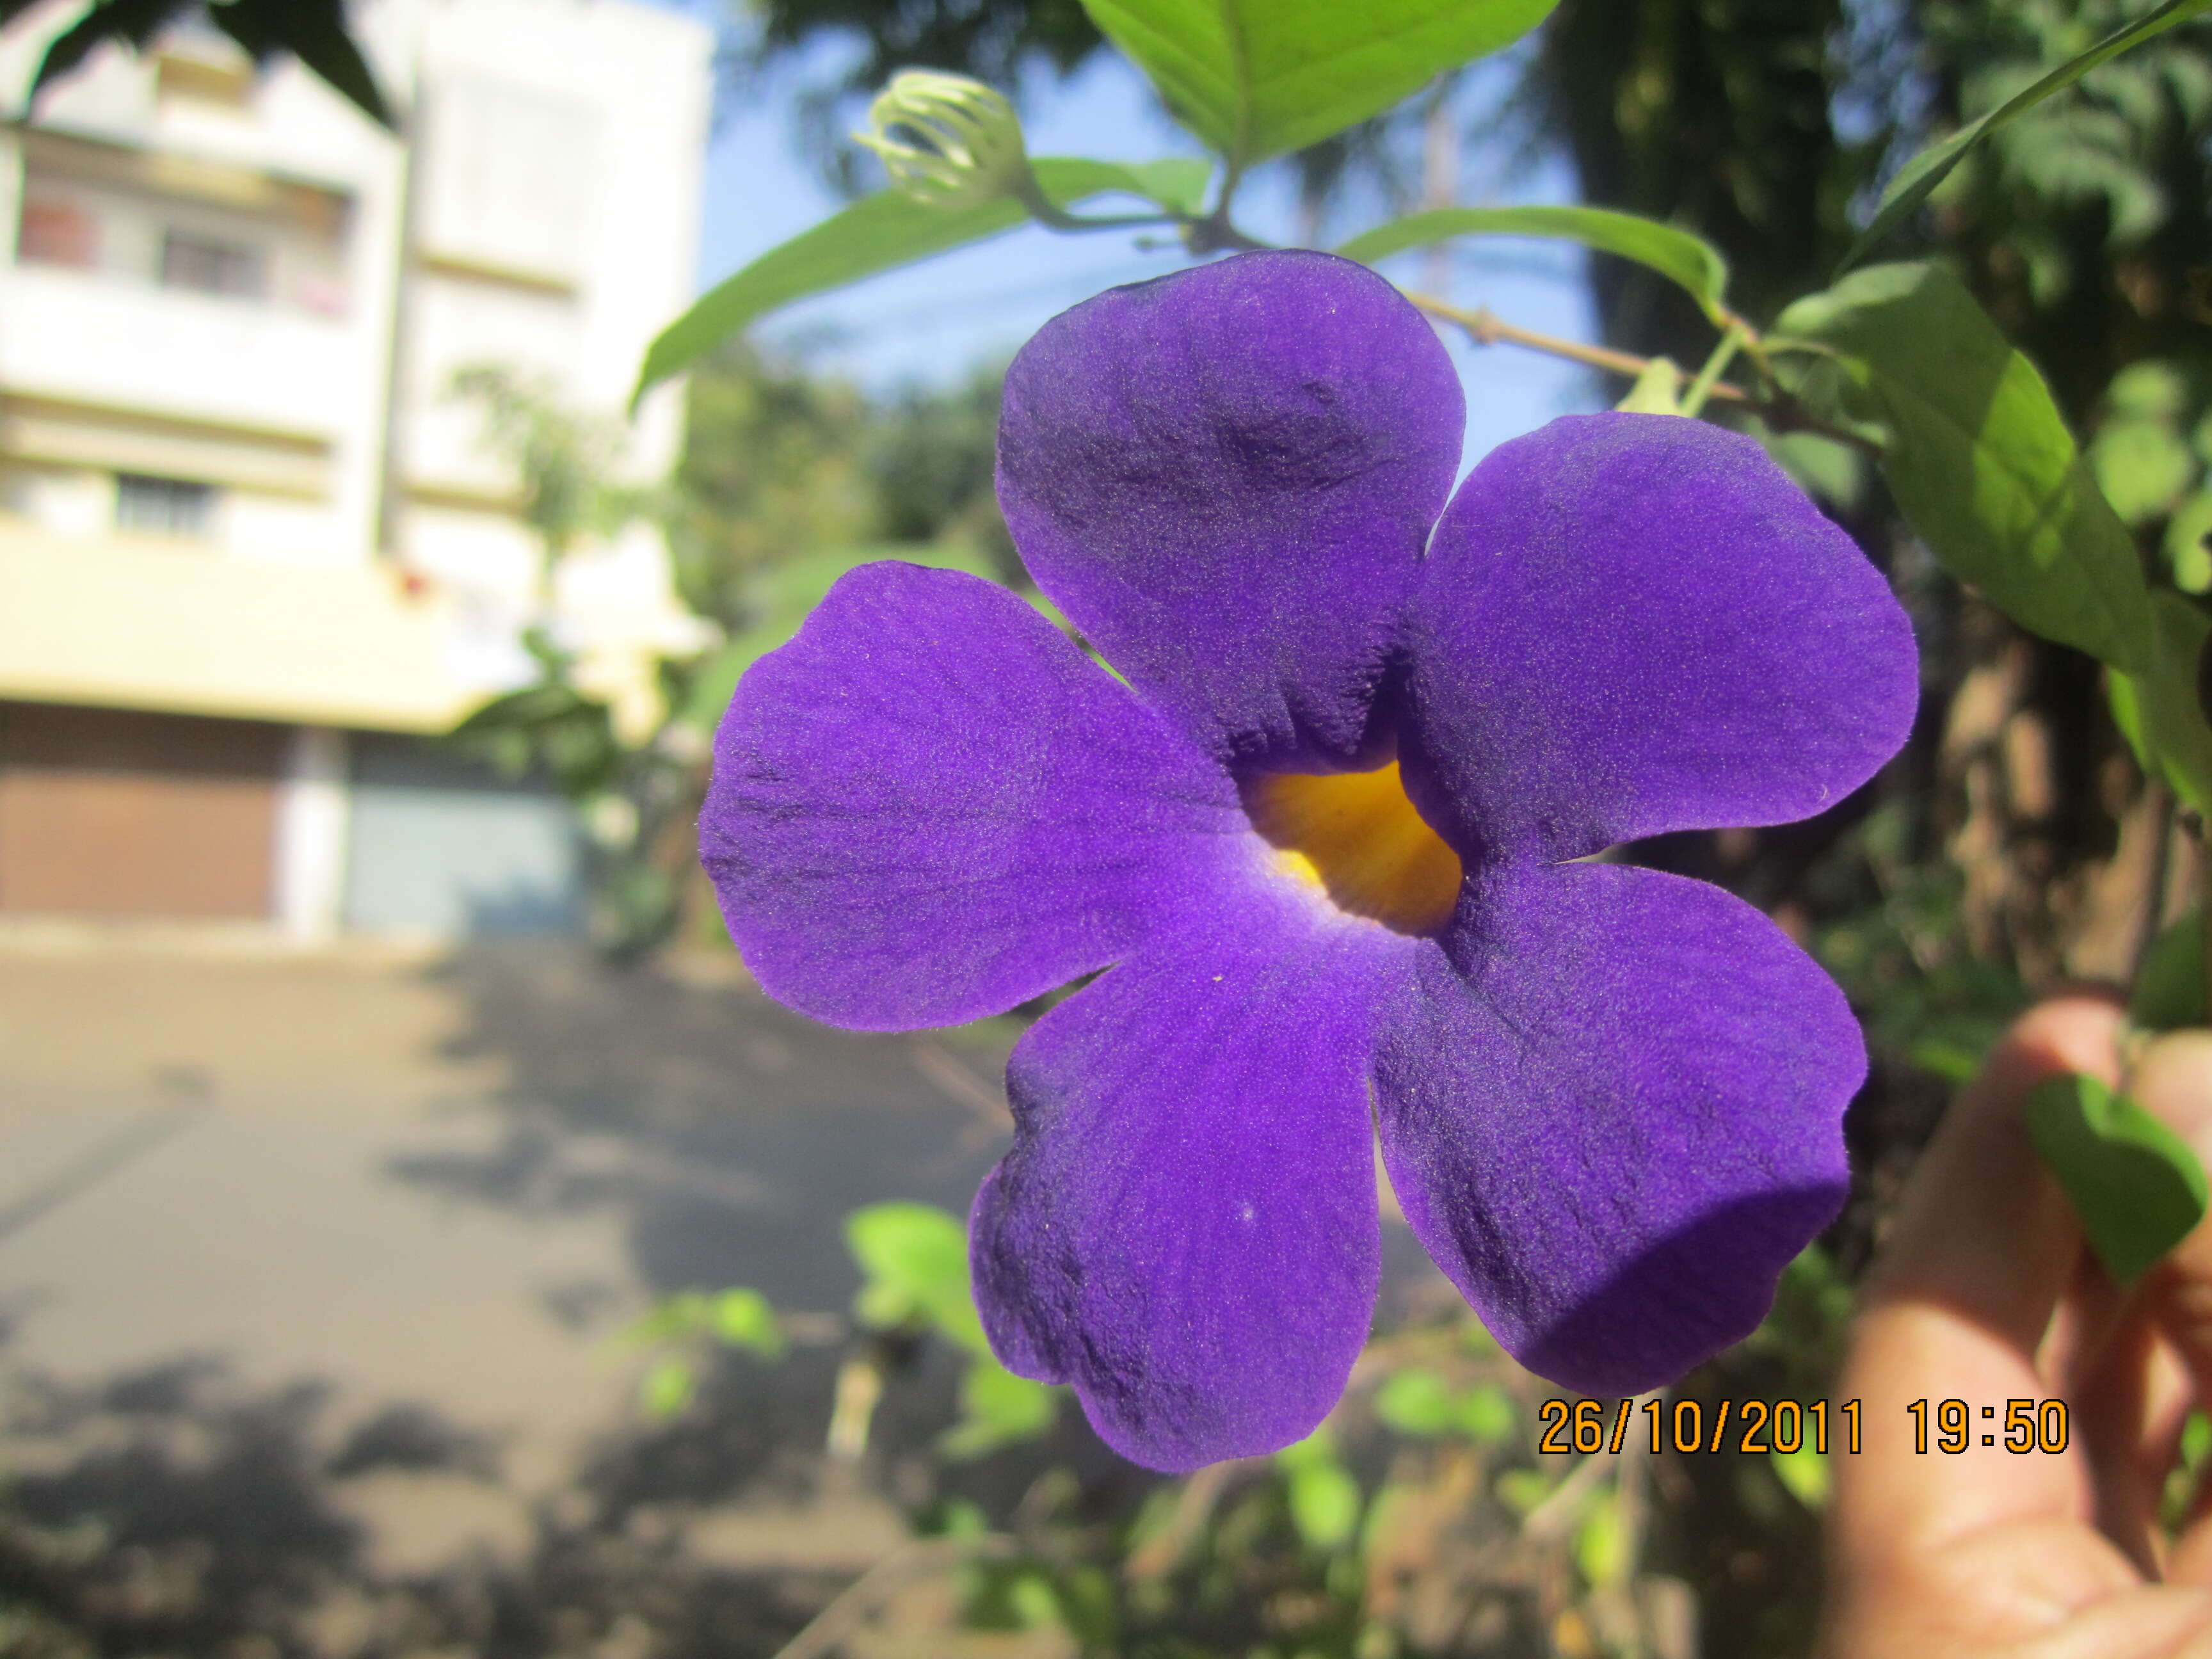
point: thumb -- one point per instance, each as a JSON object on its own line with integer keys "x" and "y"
{"x": 2172, "y": 1081}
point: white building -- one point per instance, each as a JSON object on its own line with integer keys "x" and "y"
{"x": 250, "y": 547}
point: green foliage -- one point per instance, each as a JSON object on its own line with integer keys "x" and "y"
{"x": 914, "y": 1264}
{"x": 314, "y": 31}
{"x": 2136, "y": 1186}
{"x": 881, "y": 233}
{"x": 1919, "y": 176}
{"x": 2159, "y": 712}
{"x": 2170, "y": 989}
{"x": 2179, "y": 1497}
{"x": 1896, "y": 948}
{"x": 667, "y": 1388}
{"x": 562, "y": 457}
{"x": 550, "y": 726}
{"x": 1253, "y": 78}
{"x": 1323, "y": 1495}
{"x": 1690, "y": 261}
{"x": 1418, "y": 1401}
{"x": 1976, "y": 453}
{"x": 774, "y": 464}
{"x": 1604, "y": 1549}
{"x": 1804, "y": 1475}
{"x": 997, "y": 1408}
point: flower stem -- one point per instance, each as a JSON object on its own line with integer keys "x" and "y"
{"x": 1049, "y": 213}
{"x": 1694, "y": 400}
{"x": 1486, "y": 328}
{"x": 1784, "y": 414}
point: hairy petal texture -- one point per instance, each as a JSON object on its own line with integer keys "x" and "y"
{"x": 1634, "y": 623}
{"x": 930, "y": 806}
{"x": 1185, "y": 1228}
{"x": 1224, "y": 478}
{"x": 1611, "y": 1108}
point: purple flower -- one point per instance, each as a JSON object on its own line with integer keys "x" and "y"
{"x": 1323, "y": 840}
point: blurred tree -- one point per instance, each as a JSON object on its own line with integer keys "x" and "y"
{"x": 314, "y": 31}
{"x": 780, "y": 464}
{"x": 771, "y": 467}
{"x": 931, "y": 461}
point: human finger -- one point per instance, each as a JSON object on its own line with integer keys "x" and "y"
{"x": 1982, "y": 1249}
{"x": 2172, "y": 1081}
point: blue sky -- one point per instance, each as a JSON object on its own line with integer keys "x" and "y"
{"x": 933, "y": 321}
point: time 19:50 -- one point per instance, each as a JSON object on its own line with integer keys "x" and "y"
{"x": 2030, "y": 1425}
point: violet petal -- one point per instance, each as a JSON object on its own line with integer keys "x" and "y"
{"x": 930, "y": 806}
{"x": 1224, "y": 478}
{"x": 1633, "y": 623}
{"x": 1185, "y": 1228}
{"x": 1612, "y": 1109}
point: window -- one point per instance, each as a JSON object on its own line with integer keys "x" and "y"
{"x": 208, "y": 266}
{"x": 57, "y": 232}
{"x": 163, "y": 506}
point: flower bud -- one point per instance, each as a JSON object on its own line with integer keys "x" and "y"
{"x": 947, "y": 140}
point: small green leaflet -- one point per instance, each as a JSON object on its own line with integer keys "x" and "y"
{"x": 1254, "y": 78}
{"x": 884, "y": 231}
{"x": 1690, "y": 262}
{"x": 2158, "y": 710}
{"x": 2136, "y": 1186}
{"x": 1975, "y": 452}
{"x": 1918, "y": 177}
{"x": 914, "y": 1261}
{"x": 2170, "y": 989}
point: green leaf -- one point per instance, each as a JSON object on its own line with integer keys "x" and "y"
{"x": 1324, "y": 1497}
{"x": 1521, "y": 1489}
{"x": 1976, "y": 455}
{"x": 1253, "y": 78}
{"x": 2181, "y": 1481}
{"x": 2135, "y": 1185}
{"x": 914, "y": 1260}
{"x": 2169, "y": 992}
{"x": 1658, "y": 389}
{"x": 666, "y": 1388}
{"x": 1804, "y": 1474}
{"x": 314, "y": 31}
{"x": 998, "y": 1408}
{"x": 2187, "y": 555}
{"x": 1414, "y": 1401}
{"x": 2159, "y": 712}
{"x": 2142, "y": 466}
{"x": 746, "y": 1319}
{"x": 1602, "y": 1543}
{"x": 1488, "y": 1415}
{"x": 882, "y": 232}
{"x": 1690, "y": 261}
{"x": 1918, "y": 177}
{"x": 135, "y": 21}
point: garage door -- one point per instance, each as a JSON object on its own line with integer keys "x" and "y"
{"x": 112, "y": 812}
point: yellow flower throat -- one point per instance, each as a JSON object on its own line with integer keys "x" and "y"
{"x": 1356, "y": 837}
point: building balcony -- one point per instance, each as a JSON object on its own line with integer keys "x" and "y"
{"x": 129, "y": 623}
{"x": 87, "y": 341}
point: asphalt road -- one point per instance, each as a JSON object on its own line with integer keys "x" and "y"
{"x": 312, "y": 1271}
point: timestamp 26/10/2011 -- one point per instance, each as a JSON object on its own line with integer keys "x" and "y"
{"x": 1788, "y": 1426}
{"x": 1756, "y": 1426}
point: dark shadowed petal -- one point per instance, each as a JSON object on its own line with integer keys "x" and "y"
{"x": 930, "y": 806}
{"x": 1224, "y": 478}
{"x": 1612, "y": 1109}
{"x": 1185, "y": 1226}
{"x": 1632, "y": 624}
